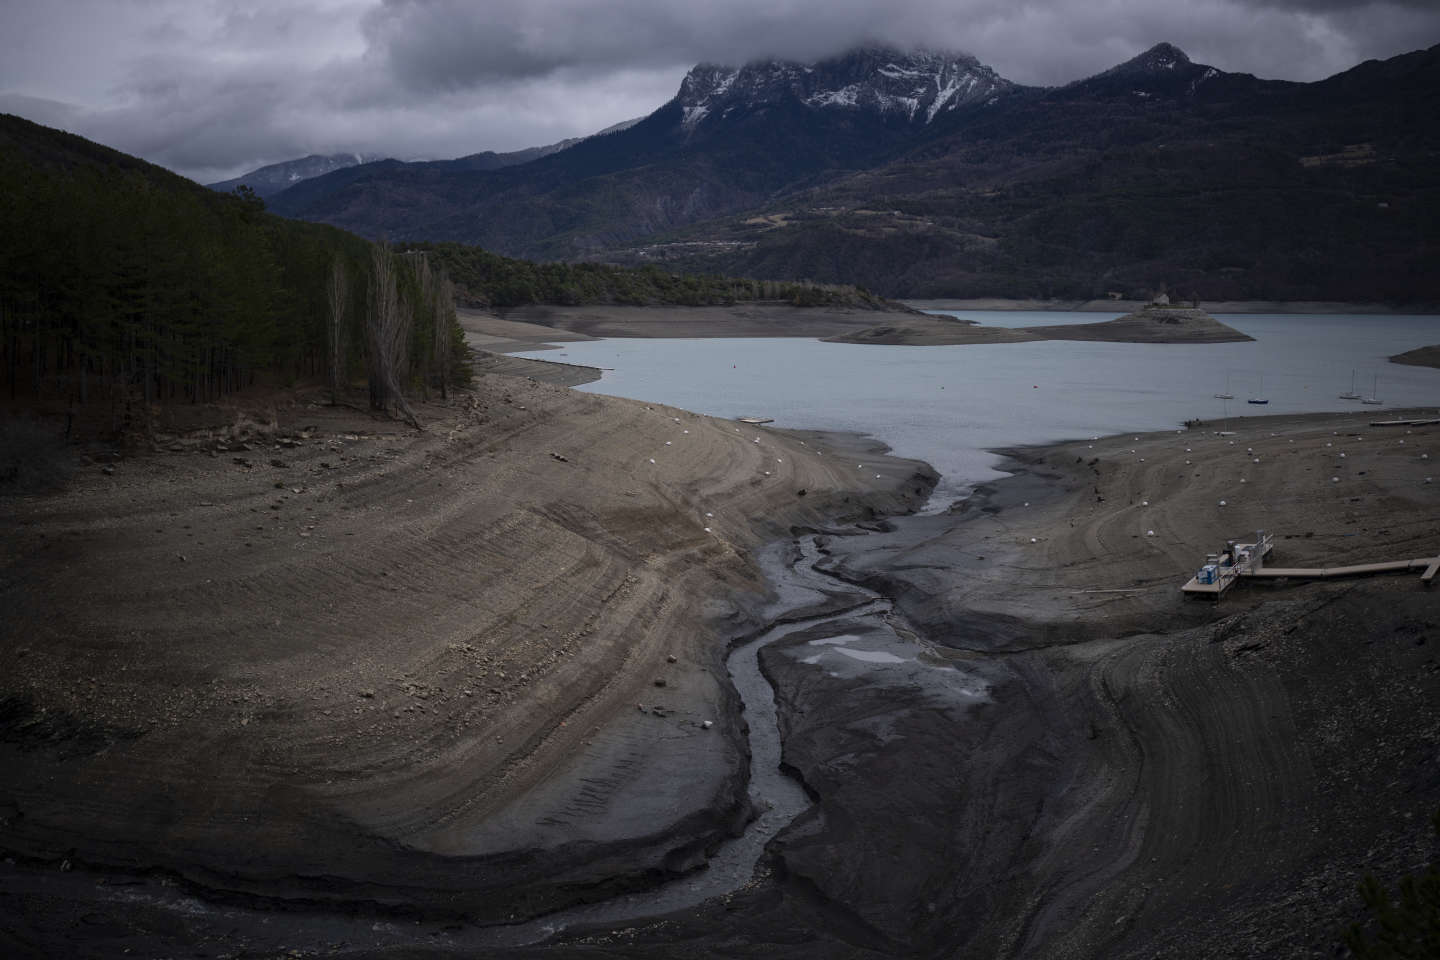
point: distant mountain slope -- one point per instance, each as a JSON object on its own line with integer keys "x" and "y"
{"x": 921, "y": 174}
{"x": 731, "y": 139}
{"x": 1158, "y": 173}
{"x": 269, "y": 180}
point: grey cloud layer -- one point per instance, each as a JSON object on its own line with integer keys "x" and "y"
{"x": 209, "y": 87}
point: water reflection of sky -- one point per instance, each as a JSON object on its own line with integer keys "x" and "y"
{"x": 949, "y": 405}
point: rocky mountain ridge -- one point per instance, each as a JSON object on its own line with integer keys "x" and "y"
{"x": 272, "y": 178}
{"x": 928, "y": 175}
{"x": 915, "y": 86}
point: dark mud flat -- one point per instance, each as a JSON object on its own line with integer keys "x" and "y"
{"x": 1033, "y": 748}
{"x": 1043, "y": 753}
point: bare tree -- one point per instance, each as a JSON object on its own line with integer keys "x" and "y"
{"x": 388, "y": 331}
{"x": 444, "y": 317}
{"x": 425, "y": 280}
{"x": 338, "y": 292}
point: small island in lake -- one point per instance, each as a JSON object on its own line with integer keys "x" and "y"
{"x": 1419, "y": 357}
{"x": 1157, "y": 322}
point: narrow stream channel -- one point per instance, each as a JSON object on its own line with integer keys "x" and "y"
{"x": 804, "y": 599}
{"x": 775, "y": 794}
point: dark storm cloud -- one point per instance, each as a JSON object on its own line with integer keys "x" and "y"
{"x": 209, "y": 87}
{"x": 447, "y": 45}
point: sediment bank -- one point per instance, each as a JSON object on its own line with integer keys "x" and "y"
{"x": 310, "y": 657}
{"x": 1044, "y": 751}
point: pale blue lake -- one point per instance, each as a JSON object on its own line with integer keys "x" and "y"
{"x": 950, "y": 405}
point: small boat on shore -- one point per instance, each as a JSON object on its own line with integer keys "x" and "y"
{"x": 755, "y": 421}
{"x": 1373, "y": 399}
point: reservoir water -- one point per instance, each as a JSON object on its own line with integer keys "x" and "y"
{"x": 950, "y": 405}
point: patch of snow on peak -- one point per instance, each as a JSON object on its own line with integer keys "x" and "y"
{"x": 897, "y": 72}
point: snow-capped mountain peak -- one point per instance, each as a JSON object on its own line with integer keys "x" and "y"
{"x": 917, "y": 86}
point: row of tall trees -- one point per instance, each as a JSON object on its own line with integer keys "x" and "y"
{"x": 490, "y": 280}
{"x": 122, "y": 284}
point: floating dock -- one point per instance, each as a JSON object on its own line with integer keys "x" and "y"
{"x": 1223, "y": 570}
{"x": 1405, "y": 423}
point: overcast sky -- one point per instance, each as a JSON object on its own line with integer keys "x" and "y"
{"x": 210, "y": 88}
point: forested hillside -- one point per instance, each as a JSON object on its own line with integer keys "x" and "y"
{"x": 122, "y": 284}
{"x": 486, "y": 279}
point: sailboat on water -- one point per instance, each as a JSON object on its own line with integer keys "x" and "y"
{"x": 1351, "y": 394}
{"x": 1260, "y": 394}
{"x": 1227, "y": 395}
{"x": 1373, "y": 398}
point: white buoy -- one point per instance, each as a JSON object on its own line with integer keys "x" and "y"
{"x": 1342, "y": 456}
{"x": 709, "y": 514}
{"x": 652, "y": 459}
{"x": 1242, "y": 479}
{"x": 667, "y": 443}
{"x": 1033, "y": 540}
{"x": 1256, "y": 460}
{"x": 1222, "y": 503}
{"x": 707, "y": 529}
{"x": 1144, "y": 503}
{"x": 1149, "y": 533}
{"x": 1334, "y": 479}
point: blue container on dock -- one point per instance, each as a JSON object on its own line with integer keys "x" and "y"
{"x": 1208, "y": 573}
